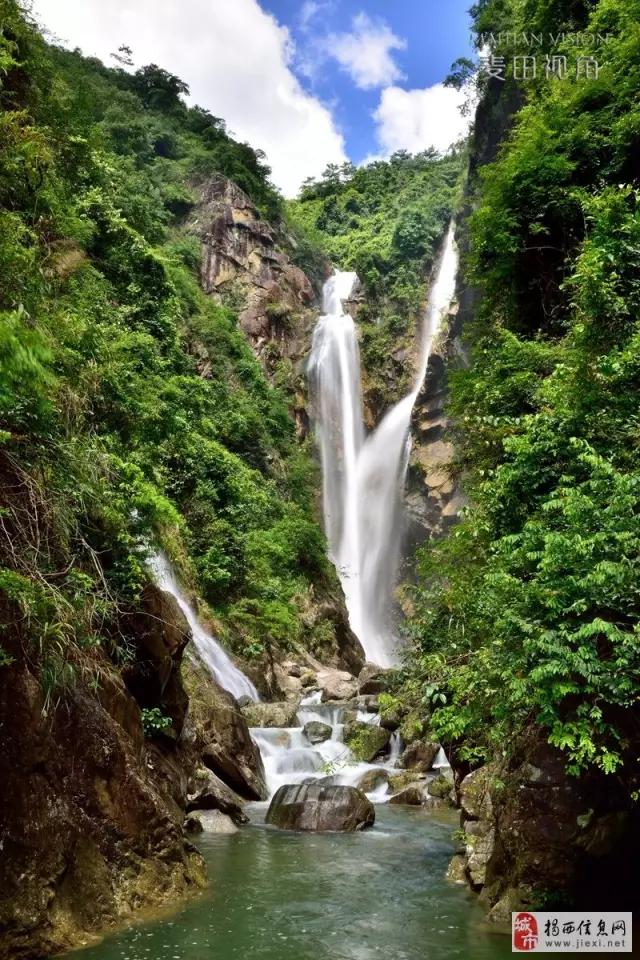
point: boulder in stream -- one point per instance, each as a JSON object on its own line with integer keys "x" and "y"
{"x": 412, "y": 795}
{"x": 317, "y": 732}
{"x": 440, "y": 787}
{"x": 317, "y": 807}
{"x": 270, "y": 714}
{"x": 214, "y": 821}
{"x": 419, "y": 755}
{"x": 365, "y": 740}
{"x": 337, "y": 685}
{"x": 373, "y": 779}
{"x": 208, "y": 792}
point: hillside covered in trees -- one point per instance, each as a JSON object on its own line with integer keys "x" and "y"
{"x": 111, "y": 440}
{"x": 385, "y": 221}
{"x": 531, "y": 613}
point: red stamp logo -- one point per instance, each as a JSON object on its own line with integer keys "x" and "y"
{"x": 525, "y": 932}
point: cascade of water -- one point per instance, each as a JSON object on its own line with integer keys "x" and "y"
{"x": 363, "y": 478}
{"x": 212, "y": 654}
{"x": 289, "y": 757}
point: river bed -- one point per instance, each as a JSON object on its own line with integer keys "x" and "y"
{"x": 274, "y": 895}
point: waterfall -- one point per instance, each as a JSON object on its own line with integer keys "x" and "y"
{"x": 212, "y": 654}
{"x": 364, "y": 476}
{"x": 289, "y": 757}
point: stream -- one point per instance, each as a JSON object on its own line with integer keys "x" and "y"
{"x": 274, "y": 895}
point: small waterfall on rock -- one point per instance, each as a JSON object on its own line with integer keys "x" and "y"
{"x": 363, "y": 477}
{"x": 212, "y": 654}
{"x": 290, "y": 757}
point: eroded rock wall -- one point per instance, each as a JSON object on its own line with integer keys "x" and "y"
{"x": 245, "y": 264}
{"x": 91, "y": 812}
{"x": 534, "y": 834}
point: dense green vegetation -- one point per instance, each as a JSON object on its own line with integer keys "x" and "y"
{"x": 110, "y": 438}
{"x": 384, "y": 221}
{"x": 528, "y": 612}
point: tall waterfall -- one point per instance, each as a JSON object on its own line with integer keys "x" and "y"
{"x": 212, "y": 654}
{"x": 364, "y": 476}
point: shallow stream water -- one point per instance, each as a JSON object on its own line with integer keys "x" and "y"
{"x": 274, "y": 895}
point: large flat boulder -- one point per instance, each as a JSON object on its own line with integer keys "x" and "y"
{"x": 208, "y": 792}
{"x": 221, "y": 736}
{"x": 318, "y": 807}
{"x": 337, "y": 685}
{"x": 271, "y": 714}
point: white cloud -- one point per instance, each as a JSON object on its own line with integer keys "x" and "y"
{"x": 235, "y": 58}
{"x": 365, "y": 52}
{"x": 415, "y": 120}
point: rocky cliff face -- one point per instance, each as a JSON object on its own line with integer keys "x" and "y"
{"x": 91, "y": 812}
{"x": 434, "y": 495}
{"x": 532, "y": 831}
{"x": 244, "y": 264}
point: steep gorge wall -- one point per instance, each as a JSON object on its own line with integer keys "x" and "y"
{"x": 246, "y": 266}
{"x": 532, "y": 834}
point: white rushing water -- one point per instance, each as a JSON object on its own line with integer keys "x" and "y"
{"x": 364, "y": 476}
{"x": 212, "y": 654}
{"x": 289, "y": 757}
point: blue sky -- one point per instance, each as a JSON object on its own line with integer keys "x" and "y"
{"x": 309, "y": 82}
{"x": 434, "y": 34}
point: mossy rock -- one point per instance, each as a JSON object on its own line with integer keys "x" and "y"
{"x": 401, "y": 779}
{"x": 440, "y": 787}
{"x": 365, "y": 741}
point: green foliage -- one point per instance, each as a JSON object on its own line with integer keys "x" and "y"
{"x": 131, "y": 406}
{"x": 384, "y": 221}
{"x": 528, "y": 611}
{"x": 154, "y": 721}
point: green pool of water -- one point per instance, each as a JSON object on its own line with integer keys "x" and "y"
{"x": 284, "y": 896}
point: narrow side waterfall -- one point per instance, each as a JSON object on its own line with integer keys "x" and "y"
{"x": 212, "y": 654}
{"x": 364, "y": 476}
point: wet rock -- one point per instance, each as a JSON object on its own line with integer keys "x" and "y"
{"x": 390, "y": 720}
{"x": 214, "y": 821}
{"x": 373, "y": 780}
{"x": 401, "y": 779}
{"x": 337, "y": 685}
{"x": 457, "y": 870}
{"x": 160, "y": 632}
{"x": 208, "y": 792}
{"x": 221, "y": 736}
{"x": 317, "y": 732}
{"x": 317, "y": 807}
{"x": 412, "y": 795}
{"x": 371, "y": 679}
{"x": 480, "y": 843}
{"x": 365, "y": 740}
{"x": 419, "y": 755}
{"x": 271, "y": 714}
{"x": 475, "y": 795}
{"x": 92, "y": 819}
{"x": 193, "y": 823}
{"x": 440, "y": 787}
